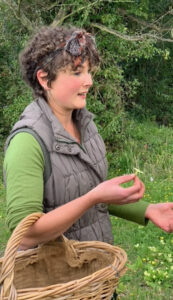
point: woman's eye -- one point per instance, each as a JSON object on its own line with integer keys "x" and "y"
{"x": 77, "y": 73}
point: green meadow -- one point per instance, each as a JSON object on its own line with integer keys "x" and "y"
{"x": 148, "y": 148}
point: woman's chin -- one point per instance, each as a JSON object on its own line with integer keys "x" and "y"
{"x": 81, "y": 104}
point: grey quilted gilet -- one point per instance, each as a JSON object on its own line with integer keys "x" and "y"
{"x": 76, "y": 169}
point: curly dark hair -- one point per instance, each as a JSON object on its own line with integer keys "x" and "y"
{"x": 48, "y": 50}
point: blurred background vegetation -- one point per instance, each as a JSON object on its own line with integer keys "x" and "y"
{"x": 135, "y": 41}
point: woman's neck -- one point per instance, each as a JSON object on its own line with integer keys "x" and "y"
{"x": 65, "y": 118}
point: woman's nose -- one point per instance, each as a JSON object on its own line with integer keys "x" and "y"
{"x": 88, "y": 80}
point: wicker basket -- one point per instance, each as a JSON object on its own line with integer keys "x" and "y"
{"x": 59, "y": 269}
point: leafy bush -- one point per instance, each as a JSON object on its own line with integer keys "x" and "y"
{"x": 134, "y": 75}
{"x": 143, "y": 144}
{"x": 148, "y": 87}
{"x": 13, "y": 111}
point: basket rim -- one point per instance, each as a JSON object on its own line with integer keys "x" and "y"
{"x": 110, "y": 273}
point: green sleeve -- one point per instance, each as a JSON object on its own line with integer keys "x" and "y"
{"x": 134, "y": 212}
{"x": 24, "y": 167}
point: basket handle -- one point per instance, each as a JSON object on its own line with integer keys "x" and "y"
{"x": 7, "y": 288}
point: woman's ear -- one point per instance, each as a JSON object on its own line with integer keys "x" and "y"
{"x": 42, "y": 79}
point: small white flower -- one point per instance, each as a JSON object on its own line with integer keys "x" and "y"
{"x": 169, "y": 259}
{"x": 146, "y": 273}
{"x": 162, "y": 242}
{"x": 152, "y": 249}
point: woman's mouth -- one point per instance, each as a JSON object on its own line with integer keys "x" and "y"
{"x": 83, "y": 95}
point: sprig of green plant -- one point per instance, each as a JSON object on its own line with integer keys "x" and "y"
{"x": 137, "y": 171}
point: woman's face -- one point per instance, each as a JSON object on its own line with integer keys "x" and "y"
{"x": 69, "y": 90}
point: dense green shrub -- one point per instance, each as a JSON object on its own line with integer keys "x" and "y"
{"x": 12, "y": 37}
{"x": 12, "y": 112}
{"x": 152, "y": 93}
{"x": 134, "y": 76}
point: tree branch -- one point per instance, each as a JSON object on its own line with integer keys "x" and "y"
{"x": 144, "y": 23}
{"x": 116, "y": 33}
{"x": 52, "y": 6}
{"x": 131, "y": 38}
{"x": 60, "y": 16}
{"x": 21, "y": 17}
{"x": 19, "y": 5}
{"x": 58, "y": 22}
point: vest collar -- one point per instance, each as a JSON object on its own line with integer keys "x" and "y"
{"x": 81, "y": 116}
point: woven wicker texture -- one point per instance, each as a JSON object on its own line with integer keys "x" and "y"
{"x": 60, "y": 270}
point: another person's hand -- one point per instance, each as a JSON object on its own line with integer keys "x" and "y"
{"x": 111, "y": 191}
{"x": 161, "y": 214}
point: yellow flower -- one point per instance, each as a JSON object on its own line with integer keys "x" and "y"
{"x": 137, "y": 171}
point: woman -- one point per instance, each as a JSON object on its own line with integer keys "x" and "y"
{"x": 57, "y": 64}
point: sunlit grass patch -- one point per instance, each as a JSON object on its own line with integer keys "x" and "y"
{"x": 149, "y": 250}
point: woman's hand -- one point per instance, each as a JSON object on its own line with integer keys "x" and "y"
{"x": 111, "y": 191}
{"x": 161, "y": 214}
{"x": 54, "y": 223}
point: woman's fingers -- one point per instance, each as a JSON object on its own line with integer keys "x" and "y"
{"x": 136, "y": 196}
{"x": 137, "y": 187}
{"x": 134, "y": 193}
{"x": 124, "y": 178}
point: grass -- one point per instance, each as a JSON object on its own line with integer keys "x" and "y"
{"x": 149, "y": 249}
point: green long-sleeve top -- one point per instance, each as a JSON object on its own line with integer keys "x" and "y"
{"x": 24, "y": 167}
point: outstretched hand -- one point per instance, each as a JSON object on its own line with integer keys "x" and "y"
{"x": 161, "y": 214}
